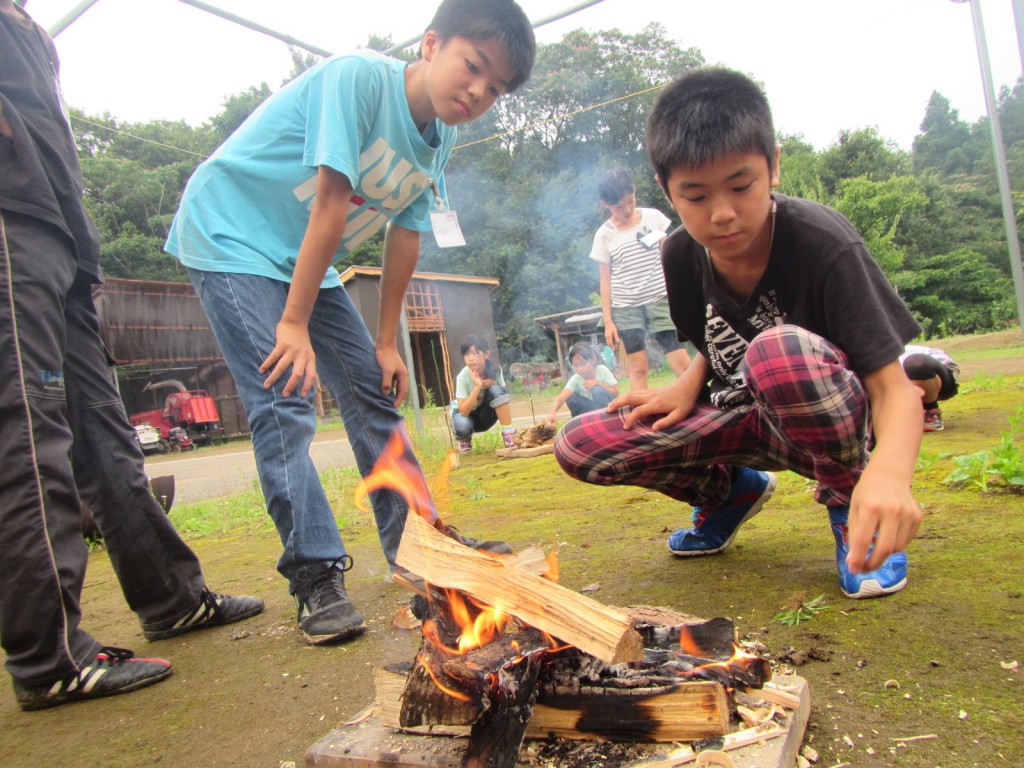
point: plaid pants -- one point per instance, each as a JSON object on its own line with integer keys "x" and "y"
{"x": 809, "y": 415}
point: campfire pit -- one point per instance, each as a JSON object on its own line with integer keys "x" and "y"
{"x": 508, "y": 654}
{"x": 618, "y": 678}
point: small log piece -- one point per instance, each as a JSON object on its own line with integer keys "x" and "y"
{"x": 497, "y": 735}
{"x": 423, "y": 701}
{"x": 574, "y": 618}
{"x": 662, "y": 711}
{"x": 474, "y": 668}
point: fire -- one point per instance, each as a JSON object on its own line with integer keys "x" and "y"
{"x": 433, "y": 676}
{"x": 741, "y": 668}
{"x": 396, "y": 470}
{"x": 477, "y": 630}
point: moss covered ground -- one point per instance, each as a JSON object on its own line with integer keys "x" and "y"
{"x": 254, "y": 695}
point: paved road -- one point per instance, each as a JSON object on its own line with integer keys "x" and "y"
{"x": 200, "y": 475}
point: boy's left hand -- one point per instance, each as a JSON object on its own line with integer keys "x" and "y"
{"x": 395, "y": 376}
{"x": 291, "y": 350}
{"x": 882, "y": 510}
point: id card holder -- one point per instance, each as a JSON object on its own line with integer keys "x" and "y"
{"x": 651, "y": 239}
{"x": 446, "y": 228}
{"x": 445, "y": 223}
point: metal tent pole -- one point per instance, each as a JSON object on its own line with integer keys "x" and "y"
{"x": 1002, "y": 175}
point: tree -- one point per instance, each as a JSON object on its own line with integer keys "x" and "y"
{"x": 957, "y": 292}
{"x": 944, "y": 142}
{"x": 875, "y": 209}
{"x": 860, "y": 153}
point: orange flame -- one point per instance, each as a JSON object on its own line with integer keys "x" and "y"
{"x": 480, "y": 623}
{"x": 450, "y": 691}
{"x": 688, "y": 644}
{"x": 734, "y": 667}
{"x": 551, "y": 558}
{"x": 396, "y": 470}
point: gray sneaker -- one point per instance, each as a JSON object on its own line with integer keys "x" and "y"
{"x": 326, "y": 614}
{"x": 212, "y": 610}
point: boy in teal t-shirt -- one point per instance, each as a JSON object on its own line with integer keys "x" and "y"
{"x": 354, "y": 143}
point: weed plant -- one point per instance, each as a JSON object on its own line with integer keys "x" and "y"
{"x": 1002, "y": 466}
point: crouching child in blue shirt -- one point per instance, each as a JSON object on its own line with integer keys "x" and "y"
{"x": 481, "y": 399}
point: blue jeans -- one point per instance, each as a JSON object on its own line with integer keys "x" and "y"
{"x": 599, "y": 399}
{"x": 483, "y": 418}
{"x": 243, "y": 312}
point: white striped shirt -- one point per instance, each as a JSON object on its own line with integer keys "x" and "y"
{"x": 637, "y": 277}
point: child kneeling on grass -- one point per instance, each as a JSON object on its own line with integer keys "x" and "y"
{"x": 591, "y": 387}
{"x": 799, "y": 337}
{"x": 481, "y": 399}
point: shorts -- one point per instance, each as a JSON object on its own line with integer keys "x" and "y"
{"x": 637, "y": 324}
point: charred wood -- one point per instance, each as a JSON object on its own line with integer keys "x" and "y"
{"x": 497, "y": 735}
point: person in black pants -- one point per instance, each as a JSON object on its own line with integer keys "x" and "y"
{"x": 64, "y": 434}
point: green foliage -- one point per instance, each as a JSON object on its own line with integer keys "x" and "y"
{"x": 800, "y": 609}
{"x": 875, "y": 209}
{"x": 956, "y": 293}
{"x": 523, "y": 178}
{"x": 237, "y": 108}
{"x": 1002, "y": 467}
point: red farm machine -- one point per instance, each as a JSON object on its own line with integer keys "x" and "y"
{"x": 189, "y": 417}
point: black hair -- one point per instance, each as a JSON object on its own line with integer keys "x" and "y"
{"x": 614, "y": 185}
{"x": 500, "y": 20}
{"x": 474, "y": 341}
{"x": 584, "y": 350}
{"x": 704, "y": 114}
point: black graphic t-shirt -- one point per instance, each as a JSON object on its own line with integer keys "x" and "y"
{"x": 820, "y": 277}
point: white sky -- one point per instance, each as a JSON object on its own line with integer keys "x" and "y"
{"x": 827, "y": 65}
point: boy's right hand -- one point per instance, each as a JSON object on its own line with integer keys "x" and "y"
{"x": 292, "y": 350}
{"x": 674, "y": 401}
{"x": 611, "y": 335}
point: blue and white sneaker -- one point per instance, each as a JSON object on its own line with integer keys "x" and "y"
{"x": 891, "y": 577}
{"x": 714, "y": 529}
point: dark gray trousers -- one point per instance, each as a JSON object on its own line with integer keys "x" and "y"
{"x": 64, "y": 436}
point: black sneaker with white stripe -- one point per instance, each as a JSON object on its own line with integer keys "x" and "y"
{"x": 213, "y": 610}
{"x": 113, "y": 671}
{"x": 326, "y": 613}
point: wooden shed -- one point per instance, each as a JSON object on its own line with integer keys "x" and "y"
{"x": 157, "y": 331}
{"x": 441, "y": 311}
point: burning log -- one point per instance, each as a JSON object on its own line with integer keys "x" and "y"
{"x": 668, "y": 710}
{"x": 562, "y": 613}
{"x": 497, "y": 736}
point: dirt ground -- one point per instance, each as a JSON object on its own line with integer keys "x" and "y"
{"x": 254, "y": 695}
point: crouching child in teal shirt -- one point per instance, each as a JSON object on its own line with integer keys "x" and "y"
{"x": 591, "y": 387}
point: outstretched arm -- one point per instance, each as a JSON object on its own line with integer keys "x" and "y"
{"x": 882, "y": 506}
{"x": 673, "y": 402}
{"x": 564, "y": 395}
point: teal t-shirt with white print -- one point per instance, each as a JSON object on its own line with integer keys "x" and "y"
{"x": 246, "y": 208}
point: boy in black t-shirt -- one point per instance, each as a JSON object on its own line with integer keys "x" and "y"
{"x": 799, "y": 336}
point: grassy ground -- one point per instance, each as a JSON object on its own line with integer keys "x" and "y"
{"x": 254, "y": 695}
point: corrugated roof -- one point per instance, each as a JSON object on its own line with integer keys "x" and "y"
{"x": 353, "y": 272}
